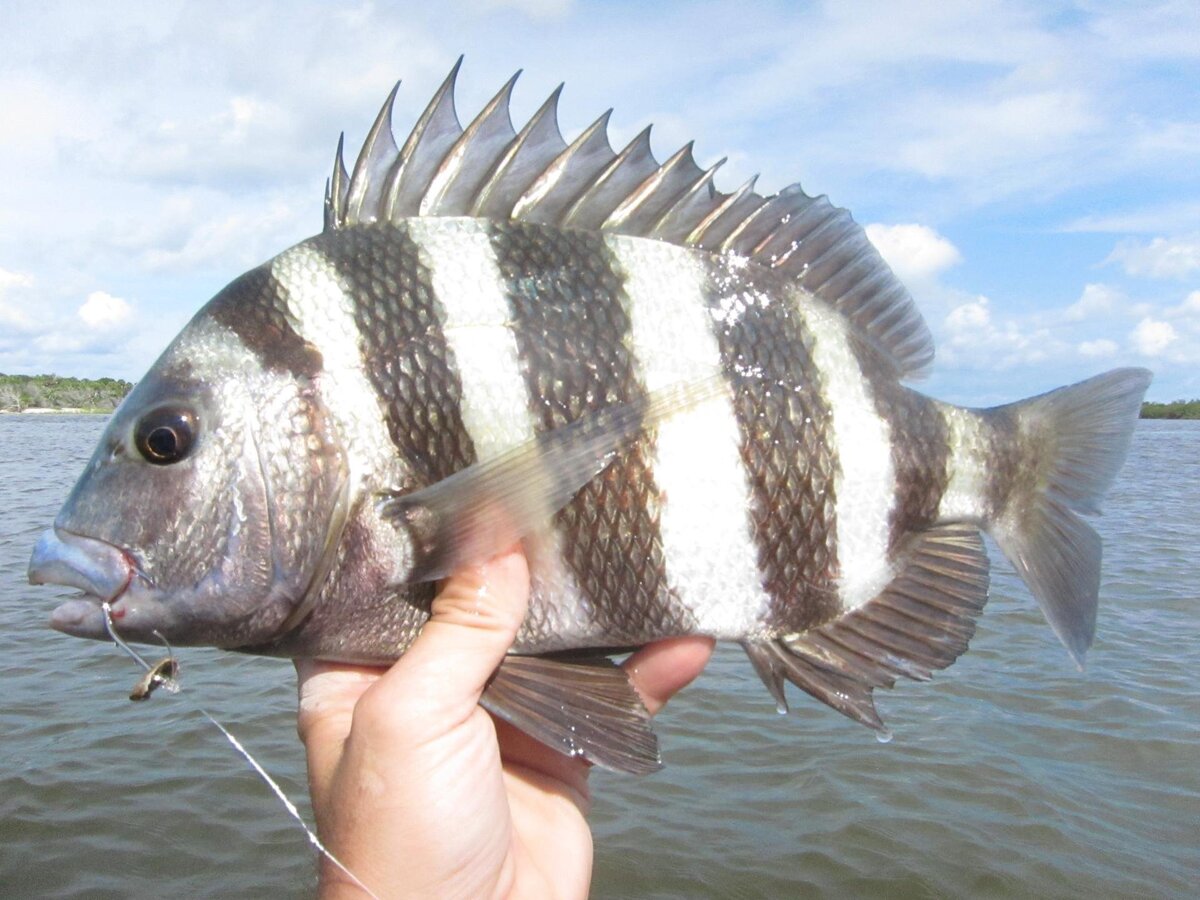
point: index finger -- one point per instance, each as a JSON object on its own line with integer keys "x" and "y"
{"x": 660, "y": 670}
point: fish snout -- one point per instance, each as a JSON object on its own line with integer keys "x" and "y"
{"x": 94, "y": 567}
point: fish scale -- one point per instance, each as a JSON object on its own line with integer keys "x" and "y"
{"x": 919, "y": 458}
{"x": 571, "y": 326}
{"x": 687, "y": 405}
{"x": 407, "y": 360}
{"x": 783, "y": 422}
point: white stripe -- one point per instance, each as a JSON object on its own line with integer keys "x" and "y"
{"x": 865, "y": 485}
{"x": 495, "y": 406}
{"x": 705, "y": 500}
{"x": 478, "y": 328}
{"x": 322, "y": 313}
{"x": 965, "y": 494}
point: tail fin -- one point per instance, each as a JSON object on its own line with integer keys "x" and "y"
{"x": 1081, "y": 433}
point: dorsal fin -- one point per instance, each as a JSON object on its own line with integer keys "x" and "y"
{"x": 494, "y": 171}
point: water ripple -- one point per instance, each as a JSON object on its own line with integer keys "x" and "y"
{"x": 1010, "y": 774}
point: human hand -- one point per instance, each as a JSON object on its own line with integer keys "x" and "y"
{"x": 420, "y": 792}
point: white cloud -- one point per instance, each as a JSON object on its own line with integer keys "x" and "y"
{"x": 13, "y": 316}
{"x": 1095, "y": 300}
{"x": 1174, "y": 257}
{"x": 1098, "y": 349}
{"x": 1152, "y": 337}
{"x": 223, "y": 236}
{"x": 915, "y": 252}
{"x": 102, "y": 310}
{"x": 974, "y": 339}
{"x": 9, "y": 280}
{"x": 535, "y": 9}
{"x": 1190, "y": 305}
{"x": 969, "y": 317}
{"x": 1178, "y": 215}
{"x": 994, "y": 132}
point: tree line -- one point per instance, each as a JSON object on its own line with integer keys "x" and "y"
{"x": 21, "y": 392}
{"x": 1177, "y": 409}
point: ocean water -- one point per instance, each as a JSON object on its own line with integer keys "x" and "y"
{"x": 1011, "y": 774}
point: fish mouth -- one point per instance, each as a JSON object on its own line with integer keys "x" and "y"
{"x": 104, "y": 572}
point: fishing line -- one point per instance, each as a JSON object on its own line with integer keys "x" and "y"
{"x": 154, "y": 678}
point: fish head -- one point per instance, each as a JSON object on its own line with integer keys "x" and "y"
{"x": 215, "y": 498}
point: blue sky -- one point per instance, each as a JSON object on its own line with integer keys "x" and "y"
{"x": 1031, "y": 170}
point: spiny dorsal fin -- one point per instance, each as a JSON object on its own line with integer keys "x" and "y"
{"x": 490, "y": 169}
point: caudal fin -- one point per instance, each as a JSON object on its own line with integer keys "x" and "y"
{"x": 1081, "y": 434}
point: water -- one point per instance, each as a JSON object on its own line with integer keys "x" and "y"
{"x": 1010, "y": 774}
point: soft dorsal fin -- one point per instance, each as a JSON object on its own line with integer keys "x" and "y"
{"x": 492, "y": 169}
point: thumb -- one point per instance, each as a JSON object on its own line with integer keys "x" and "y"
{"x": 473, "y": 622}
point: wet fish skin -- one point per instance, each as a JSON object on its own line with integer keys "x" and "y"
{"x": 449, "y": 364}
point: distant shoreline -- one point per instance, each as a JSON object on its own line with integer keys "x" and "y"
{"x": 53, "y": 411}
{"x": 43, "y": 394}
{"x": 50, "y": 394}
{"x": 1177, "y": 409}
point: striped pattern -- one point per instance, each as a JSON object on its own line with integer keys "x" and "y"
{"x": 865, "y": 486}
{"x": 255, "y": 308}
{"x": 920, "y": 449}
{"x": 774, "y": 508}
{"x": 707, "y": 532}
{"x": 319, "y": 302}
{"x": 477, "y": 328}
{"x": 567, "y": 305}
{"x": 404, "y": 353}
{"x": 784, "y": 441}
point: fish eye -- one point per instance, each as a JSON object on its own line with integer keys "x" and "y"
{"x": 165, "y": 435}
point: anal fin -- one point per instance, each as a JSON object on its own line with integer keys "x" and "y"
{"x": 921, "y": 622}
{"x": 582, "y": 708}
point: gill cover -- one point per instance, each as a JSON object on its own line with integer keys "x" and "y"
{"x": 218, "y": 490}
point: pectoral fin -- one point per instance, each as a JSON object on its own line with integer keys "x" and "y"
{"x": 583, "y": 708}
{"x": 474, "y": 514}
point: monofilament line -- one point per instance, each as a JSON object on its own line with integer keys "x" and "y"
{"x": 288, "y": 804}
{"x": 238, "y": 746}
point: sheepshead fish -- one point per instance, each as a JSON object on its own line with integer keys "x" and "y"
{"x": 688, "y": 405}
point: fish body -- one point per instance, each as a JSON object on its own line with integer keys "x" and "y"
{"x": 689, "y": 406}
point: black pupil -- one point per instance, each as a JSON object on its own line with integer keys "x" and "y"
{"x": 163, "y": 442}
{"x": 165, "y": 436}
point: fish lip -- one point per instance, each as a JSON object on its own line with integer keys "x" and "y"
{"x": 103, "y": 571}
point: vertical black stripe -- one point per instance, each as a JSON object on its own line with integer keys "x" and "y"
{"x": 1013, "y": 460}
{"x": 254, "y": 306}
{"x": 569, "y": 313}
{"x": 920, "y": 446}
{"x": 405, "y": 354}
{"x": 786, "y": 441}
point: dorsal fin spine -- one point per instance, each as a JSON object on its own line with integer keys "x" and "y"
{"x": 646, "y": 203}
{"x": 490, "y": 199}
{"x": 697, "y": 196}
{"x": 550, "y": 194}
{"x": 587, "y": 211}
{"x": 490, "y": 170}
{"x": 700, "y": 235}
{"x": 454, "y": 178}
{"x": 435, "y": 130}
{"x": 338, "y": 185}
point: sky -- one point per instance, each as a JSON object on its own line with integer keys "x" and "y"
{"x": 1030, "y": 170}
